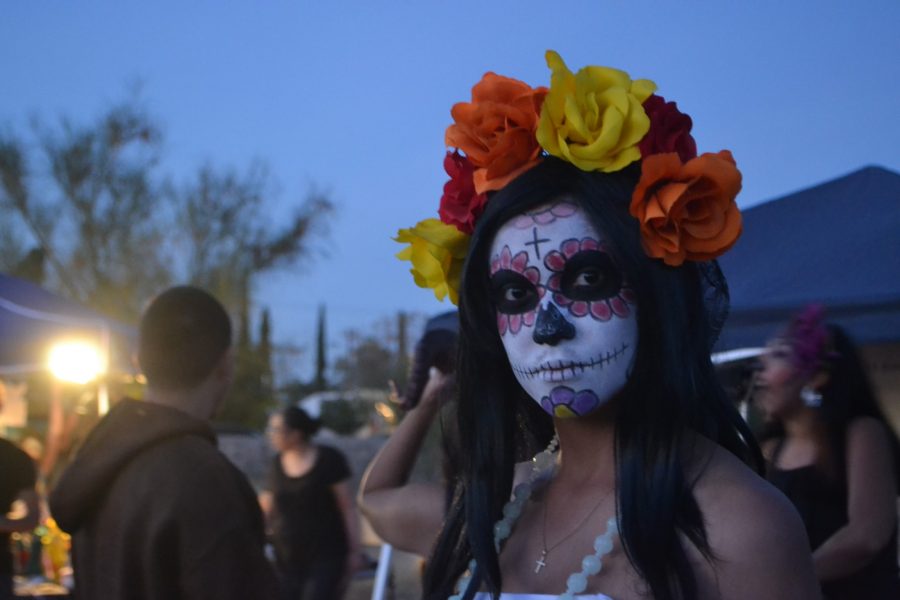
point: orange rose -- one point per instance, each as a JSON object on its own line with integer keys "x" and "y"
{"x": 687, "y": 210}
{"x": 496, "y": 130}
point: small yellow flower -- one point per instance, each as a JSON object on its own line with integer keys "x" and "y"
{"x": 594, "y": 118}
{"x": 437, "y": 252}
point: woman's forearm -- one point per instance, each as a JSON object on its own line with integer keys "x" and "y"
{"x": 844, "y": 553}
{"x": 404, "y": 514}
{"x": 871, "y": 503}
{"x": 392, "y": 465}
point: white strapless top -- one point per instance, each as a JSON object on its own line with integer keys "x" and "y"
{"x": 505, "y": 596}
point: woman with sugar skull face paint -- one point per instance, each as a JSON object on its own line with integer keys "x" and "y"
{"x": 566, "y": 318}
{"x": 586, "y": 330}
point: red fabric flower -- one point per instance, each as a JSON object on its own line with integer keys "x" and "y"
{"x": 670, "y": 130}
{"x": 519, "y": 264}
{"x": 460, "y": 205}
{"x": 600, "y": 310}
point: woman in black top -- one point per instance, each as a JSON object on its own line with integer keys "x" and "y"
{"x": 308, "y": 508}
{"x": 831, "y": 452}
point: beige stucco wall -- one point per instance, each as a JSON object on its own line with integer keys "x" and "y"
{"x": 883, "y": 362}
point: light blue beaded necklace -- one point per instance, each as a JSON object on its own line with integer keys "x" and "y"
{"x": 512, "y": 510}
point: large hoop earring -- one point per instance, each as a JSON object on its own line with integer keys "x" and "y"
{"x": 811, "y": 397}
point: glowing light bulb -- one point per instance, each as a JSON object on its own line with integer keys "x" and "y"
{"x": 77, "y": 362}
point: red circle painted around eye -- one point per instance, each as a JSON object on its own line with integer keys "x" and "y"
{"x": 561, "y": 300}
{"x": 570, "y": 247}
{"x": 600, "y": 310}
{"x": 555, "y": 261}
{"x": 619, "y": 307}
{"x": 579, "y": 308}
{"x": 590, "y": 244}
{"x": 505, "y": 257}
{"x": 519, "y": 261}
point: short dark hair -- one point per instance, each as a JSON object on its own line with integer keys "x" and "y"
{"x": 297, "y": 419}
{"x": 184, "y": 333}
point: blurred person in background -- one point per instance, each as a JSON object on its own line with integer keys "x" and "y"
{"x": 155, "y": 510}
{"x": 435, "y": 349}
{"x": 18, "y": 478}
{"x": 831, "y": 452}
{"x": 309, "y": 511}
{"x": 409, "y": 515}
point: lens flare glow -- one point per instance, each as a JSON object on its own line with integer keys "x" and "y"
{"x": 77, "y": 362}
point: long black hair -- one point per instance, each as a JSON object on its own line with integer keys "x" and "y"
{"x": 672, "y": 390}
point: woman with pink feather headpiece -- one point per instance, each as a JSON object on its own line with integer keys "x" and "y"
{"x": 831, "y": 452}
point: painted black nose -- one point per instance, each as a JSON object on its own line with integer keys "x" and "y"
{"x": 552, "y": 327}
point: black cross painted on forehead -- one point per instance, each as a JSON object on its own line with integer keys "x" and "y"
{"x": 535, "y": 241}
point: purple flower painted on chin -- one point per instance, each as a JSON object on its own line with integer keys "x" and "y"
{"x": 564, "y": 402}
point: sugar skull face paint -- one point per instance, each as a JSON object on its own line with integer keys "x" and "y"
{"x": 566, "y": 316}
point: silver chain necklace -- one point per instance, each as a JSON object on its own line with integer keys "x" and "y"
{"x": 590, "y": 564}
{"x": 545, "y": 551}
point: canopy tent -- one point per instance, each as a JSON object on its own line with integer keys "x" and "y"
{"x": 32, "y": 319}
{"x": 837, "y": 243}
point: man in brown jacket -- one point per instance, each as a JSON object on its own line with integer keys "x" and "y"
{"x": 155, "y": 510}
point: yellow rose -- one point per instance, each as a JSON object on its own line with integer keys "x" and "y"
{"x": 437, "y": 252}
{"x": 594, "y": 118}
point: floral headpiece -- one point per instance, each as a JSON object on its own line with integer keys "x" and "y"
{"x": 808, "y": 338}
{"x": 598, "y": 119}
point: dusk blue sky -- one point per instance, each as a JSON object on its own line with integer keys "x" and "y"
{"x": 354, "y": 97}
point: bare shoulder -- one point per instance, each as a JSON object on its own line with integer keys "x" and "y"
{"x": 735, "y": 500}
{"x": 757, "y": 539}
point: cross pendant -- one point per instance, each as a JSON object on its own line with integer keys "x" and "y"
{"x": 539, "y": 563}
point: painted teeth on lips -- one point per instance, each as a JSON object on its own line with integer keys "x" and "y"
{"x": 562, "y": 373}
{"x": 561, "y": 370}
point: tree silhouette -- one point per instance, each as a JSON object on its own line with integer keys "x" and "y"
{"x": 85, "y": 210}
{"x": 320, "y": 382}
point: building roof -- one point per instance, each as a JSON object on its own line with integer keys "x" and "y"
{"x": 836, "y": 243}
